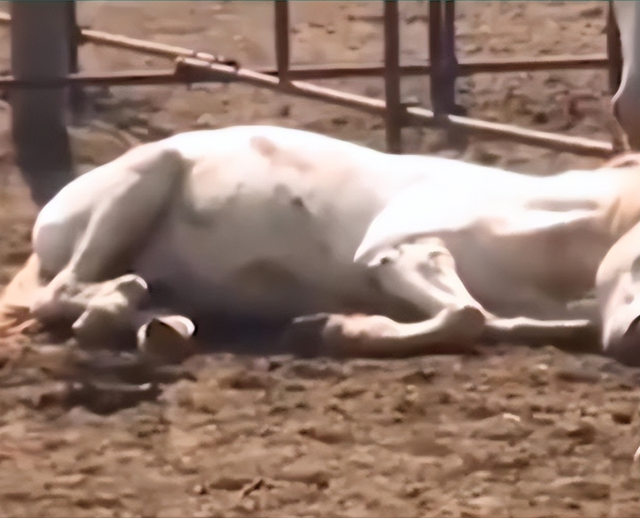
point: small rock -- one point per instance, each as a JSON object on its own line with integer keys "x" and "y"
{"x": 247, "y": 380}
{"x": 482, "y": 506}
{"x": 140, "y": 132}
{"x": 582, "y": 430}
{"x": 413, "y": 490}
{"x": 417, "y": 376}
{"x": 446, "y": 397}
{"x": 294, "y": 386}
{"x": 348, "y": 389}
{"x": 540, "y": 500}
{"x": 229, "y": 483}
{"x": 425, "y": 446}
{"x": 540, "y": 117}
{"x": 314, "y": 370}
{"x": 327, "y": 434}
{"x": 577, "y": 376}
{"x": 206, "y": 120}
{"x": 580, "y": 488}
{"x": 306, "y": 471}
{"x": 199, "y": 489}
{"x": 246, "y": 506}
{"x": 284, "y": 110}
{"x": 501, "y": 428}
{"x": 472, "y": 48}
{"x": 544, "y": 418}
{"x": 482, "y": 409}
{"x": 590, "y": 411}
{"x": 621, "y": 413}
{"x": 592, "y": 12}
{"x": 72, "y": 480}
{"x": 571, "y": 503}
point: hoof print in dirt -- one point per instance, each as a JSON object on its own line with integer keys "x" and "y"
{"x": 105, "y": 398}
{"x": 132, "y": 369}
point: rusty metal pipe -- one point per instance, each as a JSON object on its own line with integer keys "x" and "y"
{"x": 578, "y": 145}
{"x": 411, "y": 114}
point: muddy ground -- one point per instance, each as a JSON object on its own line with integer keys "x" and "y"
{"x": 513, "y": 432}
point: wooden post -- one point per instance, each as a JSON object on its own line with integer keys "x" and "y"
{"x": 40, "y": 50}
{"x": 392, "y": 76}
{"x": 282, "y": 39}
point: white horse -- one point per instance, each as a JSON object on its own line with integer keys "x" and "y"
{"x": 381, "y": 255}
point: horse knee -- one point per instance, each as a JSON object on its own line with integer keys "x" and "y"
{"x": 465, "y": 323}
{"x": 109, "y": 309}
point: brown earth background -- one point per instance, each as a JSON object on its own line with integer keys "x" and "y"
{"x": 521, "y": 432}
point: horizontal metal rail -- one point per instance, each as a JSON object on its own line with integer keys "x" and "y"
{"x": 124, "y": 77}
{"x": 304, "y": 72}
{"x": 167, "y": 76}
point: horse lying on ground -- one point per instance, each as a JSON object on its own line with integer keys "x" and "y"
{"x": 370, "y": 254}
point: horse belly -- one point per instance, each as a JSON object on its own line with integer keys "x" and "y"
{"x": 274, "y": 265}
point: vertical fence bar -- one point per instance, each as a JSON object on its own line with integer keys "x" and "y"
{"x": 283, "y": 49}
{"x": 435, "y": 58}
{"x": 76, "y": 93}
{"x": 73, "y": 35}
{"x": 40, "y": 50}
{"x": 450, "y": 61}
{"x": 392, "y": 76}
{"x": 442, "y": 56}
{"x": 614, "y": 50}
{"x": 444, "y": 66}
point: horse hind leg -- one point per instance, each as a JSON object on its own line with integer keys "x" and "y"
{"x": 118, "y": 227}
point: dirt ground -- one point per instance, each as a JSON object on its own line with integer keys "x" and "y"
{"x": 513, "y": 432}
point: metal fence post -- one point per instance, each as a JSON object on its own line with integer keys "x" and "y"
{"x": 76, "y": 92}
{"x": 441, "y": 57}
{"x": 40, "y": 50}
{"x": 283, "y": 51}
{"x": 392, "y": 77}
{"x": 444, "y": 65}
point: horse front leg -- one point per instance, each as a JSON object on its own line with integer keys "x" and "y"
{"x": 421, "y": 273}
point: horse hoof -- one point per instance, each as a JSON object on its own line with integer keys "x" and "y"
{"x": 167, "y": 340}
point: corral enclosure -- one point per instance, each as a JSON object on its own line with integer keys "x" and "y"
{"x": 519, "y": 433}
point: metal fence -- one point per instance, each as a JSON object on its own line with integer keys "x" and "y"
{"x": 191, "y": 66}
